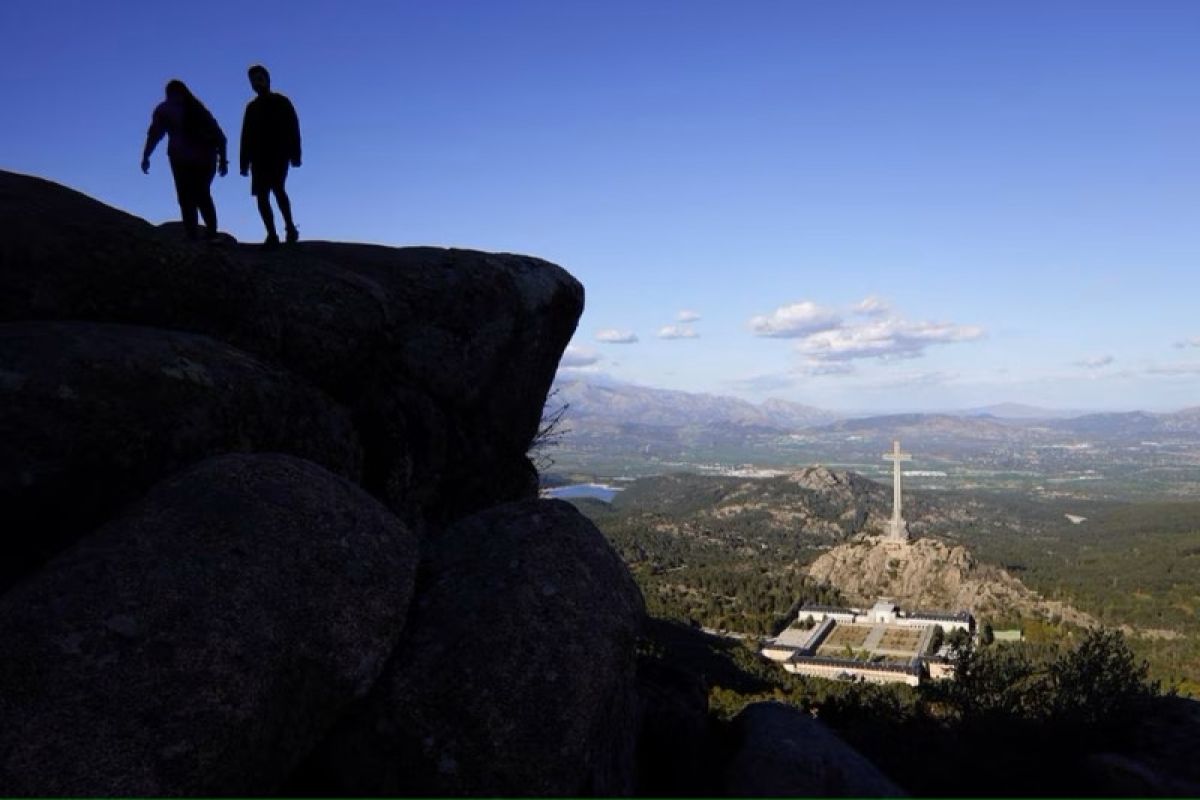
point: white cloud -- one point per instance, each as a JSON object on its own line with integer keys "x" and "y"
{"x": 795, "y": 320}
{"x": 677, "y": 332}
{"x": 873, "y": 306}
{"x": 687, "y": 315}
{"x": 884, "y": 338}
{"x": 578, "y": 357}
{"x": 614, "y": 336}
{"x": 1096, "y": 362}
{"x": 1192, "y": 342}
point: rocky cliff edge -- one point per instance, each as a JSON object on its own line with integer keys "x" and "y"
{"x": 247, "y": 493}
{"x": 270, "y": 528}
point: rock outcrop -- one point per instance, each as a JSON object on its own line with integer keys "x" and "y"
{"x": 217, "y": 465}
{"x": 271, "y": 528}
{"x": 516, "y": 675}
{"x": 205, "y": 640}
{"x": 443, "y": 357}
{"x": 95, "y": 414}
{"x": 930, "y": 574}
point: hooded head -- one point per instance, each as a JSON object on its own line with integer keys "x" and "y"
{"x": 178, "y": 91}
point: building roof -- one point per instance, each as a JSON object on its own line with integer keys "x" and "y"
{"x": 828, "y": 609}
{"x": 941, "y": 616}
{"x": 792, "y": 637}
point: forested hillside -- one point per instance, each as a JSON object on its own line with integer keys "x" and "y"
{"x": 729, "y": 553}
{"x": 1135, "y": 566}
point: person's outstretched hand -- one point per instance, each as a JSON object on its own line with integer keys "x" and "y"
{"x": 295, "y": 162}
{"x": 145, "y": 166}
{"x": 223, "y": 169}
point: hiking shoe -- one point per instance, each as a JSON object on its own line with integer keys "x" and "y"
{"x": 271, "y": 243}
{"x": 293, "y": 235}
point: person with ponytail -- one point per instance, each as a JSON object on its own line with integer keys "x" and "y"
{"x": 196, "y": 150}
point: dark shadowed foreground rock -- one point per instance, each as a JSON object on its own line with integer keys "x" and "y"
{"x": 1162, "y": 761}
{"x": 516, "y": 673}
{"x": 674, "y": 752}
{"x": 780, "y": 751}
{"x": 96, "y": 414}
{"x": 1119, "y": 775}
{"x": 443, "y": 356}
{"x": 175, "y": 233}
{"x": 204, "y": 641}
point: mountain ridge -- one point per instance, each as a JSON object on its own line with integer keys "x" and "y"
{"x": 630, "y": 403}
{"x": 637, "y": 404}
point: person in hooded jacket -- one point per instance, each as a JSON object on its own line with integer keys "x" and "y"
{"x": 196, "y": 148}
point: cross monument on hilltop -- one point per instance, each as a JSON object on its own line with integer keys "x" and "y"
{"x": 898, "y": 529}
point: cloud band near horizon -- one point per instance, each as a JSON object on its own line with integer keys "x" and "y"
{"x": 825, "y": 337}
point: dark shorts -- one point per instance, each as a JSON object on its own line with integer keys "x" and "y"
{"x": 267, "y": 177}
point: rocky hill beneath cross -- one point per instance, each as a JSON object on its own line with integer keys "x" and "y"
{"x": 270, "y": 528}
{"x": 930, "y": 574}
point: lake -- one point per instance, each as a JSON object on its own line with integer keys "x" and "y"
{"x": 597, "y": 490}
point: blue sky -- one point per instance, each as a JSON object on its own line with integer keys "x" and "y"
{"x": 864, "y": 206}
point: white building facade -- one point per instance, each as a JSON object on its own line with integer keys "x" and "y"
{"x": 796, "y": 648}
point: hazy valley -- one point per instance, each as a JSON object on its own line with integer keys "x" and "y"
{"x": 1045, "y": 523}
{"x": 615, "y": 431}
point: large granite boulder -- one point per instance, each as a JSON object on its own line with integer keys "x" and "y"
{"x": 197, "y": 598}
{"x": 95, "y": 414}
{"x": 779, "y": 751}
{"x": 516, "y": 674}
{"x": 443, "y": 356}
{"x": 204, "y": 641}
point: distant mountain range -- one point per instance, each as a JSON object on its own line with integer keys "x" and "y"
{"x": 627, "y": 404}
{"x": 624, "y": 430}
{"x": 642, "y": 405}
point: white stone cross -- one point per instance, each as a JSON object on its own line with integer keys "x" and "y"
{"x": 899, "y": 530}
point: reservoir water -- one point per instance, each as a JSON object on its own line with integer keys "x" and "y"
{"x": 597, "y": 490}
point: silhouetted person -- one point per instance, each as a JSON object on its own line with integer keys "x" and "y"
{"x": 270, "y": 141}
{"x": 196, "y": 150}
